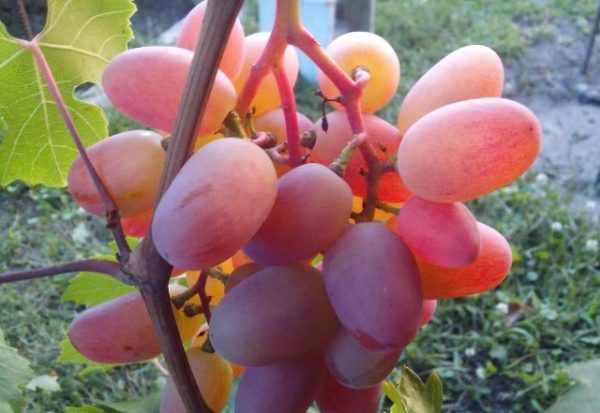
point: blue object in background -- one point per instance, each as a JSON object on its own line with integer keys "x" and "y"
{"x": 318, "y": 17}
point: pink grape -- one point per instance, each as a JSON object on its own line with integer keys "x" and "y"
{"x": 467, "y": 149}
{"x": 374, "y": 286}
{"x": 217, "y": 202}
{"x": 441, "y": 234}
{"x": 357, "y": 367}
{"x": 467, "y": 73}
{"x": 267, "y": 97}
{"x": 137, "y": 225}
{"x": 337, "y": 398}
{"x": 117, "y": 331}
{"x": 380, "y": 133}
{"x": 240, "y": 274}
{"x": 277, "y": 314}
{"x": 489, "y": 269}
{"x": 129, "y": 164}
{"x": 231, "y": 62}
{"x": 311, "y": 211}
{"x": 429, "y": 307}
{"x": 288, "y": 387}
{"x": 372, "y": 52}
{"x": 147, "y": 83}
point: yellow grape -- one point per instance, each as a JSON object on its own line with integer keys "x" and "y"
{"x": 231, "y": 62}
{"x": 214, "y": 288}
{"x": 206, "y": 139}
{"x": 274, "y": 122}
{"x": 213, "y": 376}
{"x": 267, "y": 97}
{"x": 467, "y": 73}
{"x": 357, "y": 206}
{"x": 199, "y": 341}
{"x": 371, "y": 51}
{"x": 187, "y": 326}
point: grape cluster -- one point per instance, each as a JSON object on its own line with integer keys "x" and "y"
{"x": 316, "y": 305}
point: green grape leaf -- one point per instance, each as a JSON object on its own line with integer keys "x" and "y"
{"x": 79, "y": 39}
{"x": 84, "y": 409}
{"x": 69, "y": 354}
{"x": 148, "y": 404}
{"x": 15, "y": 372}
{"x": 434, "y": 391}
{"x": 585, "y": 397}
{"x": 89, "y": 288}
{"x": 411, "y": 395}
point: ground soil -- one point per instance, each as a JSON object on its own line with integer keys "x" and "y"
{"x": 548, "y": 79}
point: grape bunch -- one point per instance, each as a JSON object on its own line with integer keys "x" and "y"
{"x": 312, "y": 299}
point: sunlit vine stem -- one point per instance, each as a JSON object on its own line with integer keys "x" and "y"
{"x": 350, "y": 94}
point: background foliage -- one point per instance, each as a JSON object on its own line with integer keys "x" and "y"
{"x": 504, "y": 351}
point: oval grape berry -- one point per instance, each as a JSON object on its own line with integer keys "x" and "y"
{"x": 217, "y": 202}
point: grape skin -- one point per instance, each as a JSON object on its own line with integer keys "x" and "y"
{"x": 147, "y": 84}
{"x": 213, "y": 376}
{"x": 441, "y": 234}
{"x": 274, "y": 122}
{"x": 467, "y": 73}
{"x": 240, "y": 274}
{"x": 271, "y": 313}
{"x": 267, "y": 98}
{"x": 381, "y": 134}
{"x": 217, "y": 202}
{"x": 296, "y": 229}
{"x": 288, "y": 387}
{"x": 129, "y": 164}
{"x": 117, "y": 331}
{"x": 337, "y": 398}
{"x": 231, "y": 62}
{"x": 374, "y": 286}
{"x": 429, "y": 308}
{"x": 489, "y": 269}
{"x": 467, "y": 149}
{"x": 373, "y": 52}
{"x": 357, "y": 367}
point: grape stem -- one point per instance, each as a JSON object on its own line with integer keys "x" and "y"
{"x": 161, "y": 313}
{"x": 288, "y": 29}
{"x": 110, "y": 208}
{"x": 271, "y": 60}
{"x": 152, "y": 271}
{"x": 93, "y": 265}
{"x": 200, "y": 288}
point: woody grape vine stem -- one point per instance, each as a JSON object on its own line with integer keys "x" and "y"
{"x": 92, "y": 265}
{"x": 152, "y": 270}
